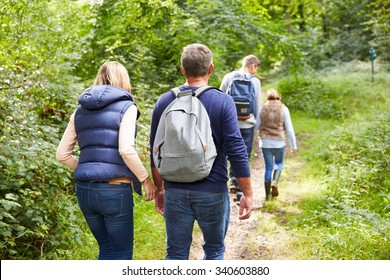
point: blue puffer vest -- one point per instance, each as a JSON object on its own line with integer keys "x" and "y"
{"x": 97, "y": 123}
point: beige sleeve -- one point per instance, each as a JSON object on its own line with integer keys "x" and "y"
{"x": 66, "y": 146}
{"x": 127, "y": 144}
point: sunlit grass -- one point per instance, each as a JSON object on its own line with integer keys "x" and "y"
{"x": 149, "y": 231}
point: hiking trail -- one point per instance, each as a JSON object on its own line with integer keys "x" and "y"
{"x": 244, "y": 241}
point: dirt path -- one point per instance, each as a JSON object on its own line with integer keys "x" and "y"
{"x": 245, "y": 239}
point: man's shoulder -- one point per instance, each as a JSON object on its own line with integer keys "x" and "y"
{"x": 214, "y": 91}
{"x": 163, "y": 101}
{"x": 231, "y": 74}
{"x": 165, "y": 97}
{"x": 255, "y": 81}
{"x": 241, "y": 75}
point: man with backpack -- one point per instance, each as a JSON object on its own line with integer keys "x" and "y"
{"x": 183, "y": 197}
{"x": 245, "y": 89}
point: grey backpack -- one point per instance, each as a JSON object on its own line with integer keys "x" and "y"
{"x": 184, "y": 149}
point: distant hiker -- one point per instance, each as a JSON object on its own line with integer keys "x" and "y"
{"x": 275, "y": 123}
{"x": 104, "y": 125}
{"x": 245, "y": 89}
{"x": 206, "y": 200}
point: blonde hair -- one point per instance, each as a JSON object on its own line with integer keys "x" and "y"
{"x": 273, "y": 94}
{"x": 115, "y": 74}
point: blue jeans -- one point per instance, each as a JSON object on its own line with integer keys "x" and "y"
{"x": 108, "y": 210}
{"x": 273, "y": 159}
{"x": 247, "y": 135}
{"x": 210, "y": 210}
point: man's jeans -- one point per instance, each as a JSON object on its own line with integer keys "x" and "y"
{"x": 247, "y": 135}
{"x": 210, "y": 210}
{"x": 273, "y": 157}
{"x": 108, "y": 210}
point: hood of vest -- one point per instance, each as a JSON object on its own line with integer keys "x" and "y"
{"x": 98, "y": 97}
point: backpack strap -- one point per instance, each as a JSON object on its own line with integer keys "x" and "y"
{"x": 199, "y": 91}
{"x": 238, "y": 75}
{"x": 178, "y": 93}
{"x": 175, "y": 91}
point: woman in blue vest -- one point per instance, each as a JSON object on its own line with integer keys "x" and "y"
{"x": 108, "y": 167}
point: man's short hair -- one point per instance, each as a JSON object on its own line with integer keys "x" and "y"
{"x": 196, "y": 60}
{"x": 249, "y": 60}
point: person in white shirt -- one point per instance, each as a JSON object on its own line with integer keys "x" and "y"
{"x": 108, "y": 168}
{"x": 250, "y": 65}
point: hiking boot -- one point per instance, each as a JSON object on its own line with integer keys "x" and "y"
{"x": 238, "y": 197}
{"x": 233, "y": 185}
{"x": 274, "y": 191}
{"x": 275, "y": 181}
{"x": 267, "y": 187}
{"x": 233, "y": 189}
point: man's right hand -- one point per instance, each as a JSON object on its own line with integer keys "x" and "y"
{"x": 246, "y": 201}
{"x": 246, "y": 207}
{"x": 159, "y": 202}
{"x": 150, "y": 189}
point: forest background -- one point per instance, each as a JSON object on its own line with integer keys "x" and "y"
{"x": 316, "y": 52}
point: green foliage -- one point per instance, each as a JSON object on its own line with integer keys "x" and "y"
{"x": 136, "y": 40}
{"x": 359, "y": 156}
{"x": 34, "y": 188}
{"x": 139, "y": 40}
{"x": 352, "y": 218}
{"x": 38, "y": 213}
{"x": 380, "y": 24}
{"x": 314, "y": 97}
{"x": 51, "y": 50}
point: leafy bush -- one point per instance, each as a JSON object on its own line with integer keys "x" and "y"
{"x": 38, "y": 212}
{"x": 352, "y": 218}
{"x": 44, "y": 45}
{"x": 313, "y": 96}
{"x": 359, "y": 158}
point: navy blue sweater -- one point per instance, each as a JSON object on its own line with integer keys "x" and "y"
{"x": 226, "y": 135}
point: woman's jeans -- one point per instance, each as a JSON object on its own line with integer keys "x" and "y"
{"x": 108, "y": 210}
{"x": 273, "y": 157}
{"x": 210, "y": 210}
